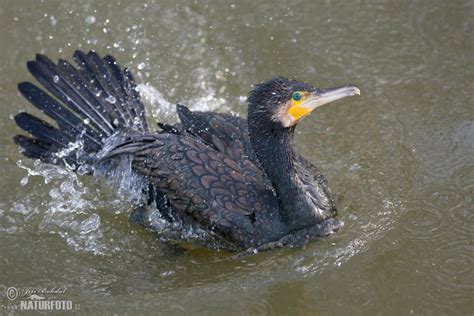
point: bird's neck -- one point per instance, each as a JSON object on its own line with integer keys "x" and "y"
{"x": 274, "y": 150}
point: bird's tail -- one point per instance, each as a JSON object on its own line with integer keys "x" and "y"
{"x": 88, "y": 104}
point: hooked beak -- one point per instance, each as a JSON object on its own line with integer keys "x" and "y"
{"x": 323, "y": 96}
{"x": 319, "y": 97}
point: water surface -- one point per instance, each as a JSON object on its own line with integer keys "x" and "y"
{"x": 400, "y": 158}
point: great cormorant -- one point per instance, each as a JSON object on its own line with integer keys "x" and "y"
{"x": 239, "y": 179}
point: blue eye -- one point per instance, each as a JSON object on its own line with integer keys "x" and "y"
{"x": 296, "y": 96}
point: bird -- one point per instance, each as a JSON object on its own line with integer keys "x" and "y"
{"x": 239, "y": 180}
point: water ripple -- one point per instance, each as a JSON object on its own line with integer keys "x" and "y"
{"x": 425, "y": 221}
{"x": 452, "y": 267}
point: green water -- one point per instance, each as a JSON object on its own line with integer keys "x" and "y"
{"x": 400, "y": 158}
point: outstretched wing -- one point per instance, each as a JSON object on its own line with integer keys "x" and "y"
{"x": 89, "y": 102}
{"x": 207, "y": 185}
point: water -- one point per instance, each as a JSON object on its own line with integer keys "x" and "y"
{"x": 400, "y": 158}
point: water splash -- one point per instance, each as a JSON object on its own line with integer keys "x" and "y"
{"x": 156, "y": 103}
{"x": 162, "y": 110}
{"x": 67, "y": 209}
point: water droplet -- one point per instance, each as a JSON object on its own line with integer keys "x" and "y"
{"x": 87, "y": 121}
{"x": 353, "y": 217}
{"x": 159, "y": 142}
{"x": 90, "y": 224}
{"x": 141, "y": 66}
{"x": 177, "y": 156}
{"x": 220, "y": 75}
{"x": 53, "y": 21}
{"x": 24, "y": 181}
{"x": 355, "y": 167}
{"x": 56, "y": 79}
{"x": 90, "y": 19}
{"x": 111, "y": 99}
{"x": 116, "y": 121}
{"x": 167, "y": 273}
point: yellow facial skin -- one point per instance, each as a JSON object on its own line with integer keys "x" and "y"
{"x": 296, "y": 110}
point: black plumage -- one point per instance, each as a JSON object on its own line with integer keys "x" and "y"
{"x": 238, "y": 179}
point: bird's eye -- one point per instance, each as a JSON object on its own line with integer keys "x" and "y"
{"x": 297, "y": 96}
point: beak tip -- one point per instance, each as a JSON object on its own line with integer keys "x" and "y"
{"x": 355, "y": 91}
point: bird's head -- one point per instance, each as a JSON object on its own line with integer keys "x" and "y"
{"x": 284, "y": 103}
